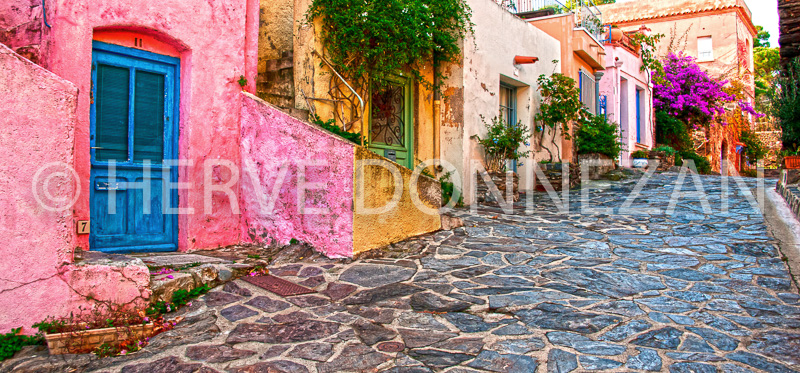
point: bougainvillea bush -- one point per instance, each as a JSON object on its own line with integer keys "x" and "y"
{"x": 689, "y": 93}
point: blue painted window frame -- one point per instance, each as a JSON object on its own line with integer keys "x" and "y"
{"x": 115, "y": 55}
{"x": 638, "y": 115}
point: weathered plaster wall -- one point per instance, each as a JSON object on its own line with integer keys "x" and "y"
{"x": 623, "y": 64}
{"x": 275, "y": 30}
{"x": 401, "y": 220}
{"x": 217, "y": 43}
{"x": 37, "y": 129}
{"x": 473, "y": 89}
{"x": 22, "y": 28}
{"x": 271, "y": 140}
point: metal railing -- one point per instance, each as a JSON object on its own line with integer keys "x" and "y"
{"x": 588, "y": 16}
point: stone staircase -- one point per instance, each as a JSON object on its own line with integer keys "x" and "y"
{"x": 276, "y": 85}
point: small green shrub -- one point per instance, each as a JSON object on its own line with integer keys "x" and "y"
{"x": 502, "y": 142}
{"x": 666, "y": 149}
{"x": 330, "y": 126}
{"x": 448, "y": 189}
{"x": 754, "y": 148}
{"x": 180, "y": 298}
{"x": 672, "y": 131}
{"x": 597, "y": 135}
{"x": 640, "y": 154}
{"x": 702, "y": 163}
{"x": 11, "y": 343}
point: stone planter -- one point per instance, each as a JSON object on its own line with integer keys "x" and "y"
{"x": 598, "y": 164}
{"x": 89, "y": 340}
{"x": 555, "y": 175}
{"x": 640, "y": 163}
{"x": 499, "y": 179}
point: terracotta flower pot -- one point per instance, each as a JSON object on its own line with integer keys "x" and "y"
{"x": 89, "y": 340}
{"x": 792, "y": 162}
{"x": 616, "y": 34}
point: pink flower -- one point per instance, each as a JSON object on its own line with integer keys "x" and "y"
{"x": 146, "y": 319}
{"x": 170, "y": 277}
{"x": 123, "y": 352}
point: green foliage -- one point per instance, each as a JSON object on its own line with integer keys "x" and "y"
{"x": 786, "y": 104}
{"x": 11, "y": 343}
{"x": 672, "y": 131}
{"x": 754, "y": 148}
{"x": 597, "y": 135}
{"x": 330, "y": 126}
{"x": 242, "y": 81}
{"x": 254, "y": 256}
{"x": 369, "y": 40}
{"x": 767, "y": 67}
{"x": 294, "y": 241}
{"x": 666, "y": 149}
{"x": 180, "y": 298}
{"x": 502, "y": 142}
{"x": 50, "y": 325}
{"x": 647, "y": 49}
{"x": 449, "y": 189}
{"x": 561, "y": 101}
{"x": 702, "y": 163}
{"x": 762, "y": 38}
{"x": 640, "y": 154}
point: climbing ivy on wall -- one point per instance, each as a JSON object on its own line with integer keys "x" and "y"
{"x": 369, "y": 40}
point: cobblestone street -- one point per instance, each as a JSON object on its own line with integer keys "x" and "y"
{"x": 536, "y": 291}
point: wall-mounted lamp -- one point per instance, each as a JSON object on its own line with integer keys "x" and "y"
{"x": 523, "y": 60}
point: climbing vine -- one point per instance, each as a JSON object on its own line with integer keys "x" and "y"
{"x": 368, "y": 40}
{"x": 646, "y": 44}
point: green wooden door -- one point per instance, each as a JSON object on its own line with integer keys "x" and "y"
{"x": 391, "y": 121}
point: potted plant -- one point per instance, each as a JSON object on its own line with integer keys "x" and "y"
{"x": 501, "y": 146}
{"x": 639, "y": 159}
{"x": 791, "y": 159}
{"x": 103, "y": 330}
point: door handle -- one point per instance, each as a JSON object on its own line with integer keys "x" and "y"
{"x": 98, "y": 148}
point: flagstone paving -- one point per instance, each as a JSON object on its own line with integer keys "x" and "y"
{"x": 544, "y": 291}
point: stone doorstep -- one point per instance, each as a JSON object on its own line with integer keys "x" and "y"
{"x": 192, "y": 270}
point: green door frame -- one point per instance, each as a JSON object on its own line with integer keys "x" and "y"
{"x": 408, "y": 119}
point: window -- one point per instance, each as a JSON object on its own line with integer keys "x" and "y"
{"x": 588, "y": 92}
{"x": 705, "y": 49}
{"x": 640, "y": 130}
{"x": 508, "y": 104}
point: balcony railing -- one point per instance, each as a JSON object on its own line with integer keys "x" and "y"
{"x": 588, "y": 16}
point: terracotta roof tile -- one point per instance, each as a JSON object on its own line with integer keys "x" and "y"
{"x": 622, "y": 12}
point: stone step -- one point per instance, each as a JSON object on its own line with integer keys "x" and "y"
{"x": 280, "y": 64}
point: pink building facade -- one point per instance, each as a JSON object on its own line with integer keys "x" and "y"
{"x": 628, "y": 92}
{"x": 100, "y": 99}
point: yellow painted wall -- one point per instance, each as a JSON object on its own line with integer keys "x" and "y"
{"x": 275, "y": 30}
{"x": 371, "y": 231}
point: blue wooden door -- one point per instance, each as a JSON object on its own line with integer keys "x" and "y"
{"x": 133, "y": 138}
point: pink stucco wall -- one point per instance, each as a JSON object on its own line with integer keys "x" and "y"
{"x": 216, "y": 43}
{"x": 37, "y": 277}
{"x": 271, "y": 139}
{"x": 624, "y": 66}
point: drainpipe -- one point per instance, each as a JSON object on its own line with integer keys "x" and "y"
{"x": 597, "y": 76}
{"x": 44, "y": 14}
{"x": 437, "y": 116}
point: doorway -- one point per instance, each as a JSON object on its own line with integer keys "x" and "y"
{"x": 134, "y": 124}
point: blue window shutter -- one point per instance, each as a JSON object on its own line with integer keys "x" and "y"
{"x": 148, "y": 118}
{"x": 112, "y": 113}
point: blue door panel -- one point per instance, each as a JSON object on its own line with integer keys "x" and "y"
{"x": 133, "y": 132}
